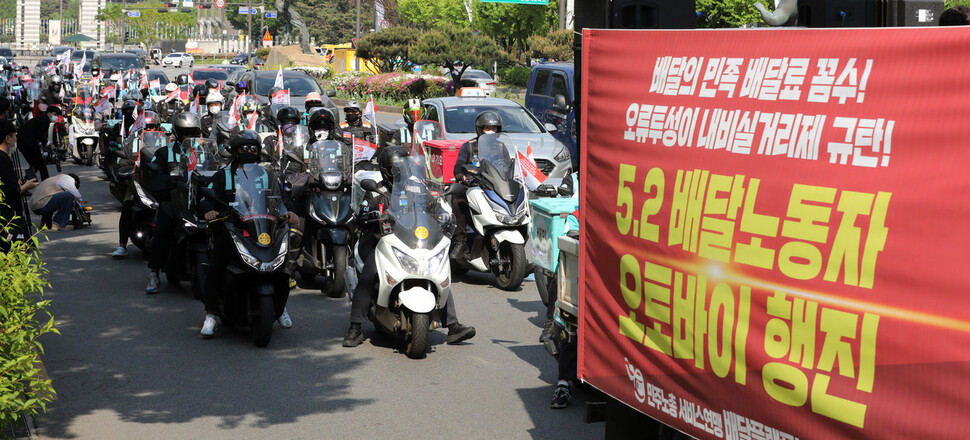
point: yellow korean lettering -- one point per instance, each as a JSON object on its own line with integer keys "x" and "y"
{"x": 837, "y": 325}
{"x": 867, "y": 352}
{"x": 741, "y": 338}
{"x": 800, "y": 260}
{"x": 683, "y": 318}
{"x": 655, "y": 183}
{"x": 722, "y": 304}
{"x": 700, "y": 321}
{"x": 848, "y": 238}
{"x": 777, "y": 331}
{"x": 716, "y": 233}
{"x": 803, "y": 329}
{"x": 834, "y": 407}
{"x": 624, "y": 198}
{"x": 785, "y": 383}
{"x": 657, "y": 293}
{"x": 875, "y": 239}
{"x": 629, "y": 266}
{"x": 688, "y": 204}
{"x": 753, "y": 254}
{"x": 809, "y": 216}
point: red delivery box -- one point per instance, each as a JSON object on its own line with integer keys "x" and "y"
{"x": 442, "y": 156}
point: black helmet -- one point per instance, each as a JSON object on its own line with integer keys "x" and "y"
{"x": 390, "y": 157}
{"x": 128, "y": 108}
{"x": 487, "y": 118}
{"x": 95, "y": 70}
{"x": 211, "y": 84}
{"x": 152, "y": 121}
{"x": 186, "y": 125}
{"x": 353, "y": 105}
{"x": 56, "y": 81}
{"x": 201, "y": 91}
{"x": 182, "y": 79}
{"x": 321, "y": 118}
{"x": 288, "y": 115}
{"x": 242, "y": 139}
{"x": 56, "y": 109}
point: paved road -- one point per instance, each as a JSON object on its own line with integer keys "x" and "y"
{"x": 131, "y": 366}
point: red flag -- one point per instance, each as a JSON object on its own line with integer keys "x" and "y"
{"x": 252, "y": 121}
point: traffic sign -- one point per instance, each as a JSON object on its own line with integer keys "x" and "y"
{"x": 134, "y": 13}
{"x": 385, "y": 24}
{"x": 243, "y": 10}
{"x": 271, "y": 14}
{"x": 187, "y": 4}
{"x": 220, "y": 4}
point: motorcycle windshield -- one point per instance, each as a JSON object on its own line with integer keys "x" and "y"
{"x": 295, "y": 140}
{"x": 150, "y": 142}
{"x": 83, "y": 97}
{"x": 498, "y": 167}
{"x": 413, "y": 210}
{"x": 84, "y": 114}
{"x": 203, "y": 154}
{"x": 258, "y": 201}
{"x": 330, "y": 163}
{"x": 425, "y": 130}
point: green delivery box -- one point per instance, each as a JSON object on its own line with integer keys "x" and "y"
{"x": 548, "y": 223}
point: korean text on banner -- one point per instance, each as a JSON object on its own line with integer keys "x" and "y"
{"x": 773, "y": 230}
{"x": 281, "y": 97}
{"x": 363, "y": 149}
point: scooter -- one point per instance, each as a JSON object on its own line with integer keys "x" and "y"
{"x": 330, "y": 219}
{"x": 83, "y": 135}
{"x": 256, "y": 279}
{"x": 411, "y": 260}
{"x": 145, "y": 180}
{"x": 499, "y": 220}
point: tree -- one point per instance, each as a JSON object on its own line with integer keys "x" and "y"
{"x": 333, "y": 21}
{"x": 729, "y": 13}
{"x": 511, "y": 24}
{"x": 557, "y": 45}
{"x": 434, "y": 14}
{"x": 241, "y": 21}
{"x": 388, "y": 49}
{"x": 455, "y": 49}
{"x": 152, "y": 25}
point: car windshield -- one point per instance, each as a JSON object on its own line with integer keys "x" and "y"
{"x": 174, "y": 55}
{"x": 218, "y": 75}
{"x": 297, "y": 85}
{"x": 159, "y": 75}
{"x": 514, "y": 119}
{"x": 77, "y": 55}
{"x": 475, "y": 74}
{"x": 122, "y": 63}
{"x": 6, "y": 52}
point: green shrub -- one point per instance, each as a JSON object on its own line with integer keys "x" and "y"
{"x": 514, "y": 76}
{"x": 23, "y": 312}
{"x": 263, "y": 52}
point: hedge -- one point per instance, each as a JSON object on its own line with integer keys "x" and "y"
{"x": 514, "y": 76}
{"x": 392, "y": 86}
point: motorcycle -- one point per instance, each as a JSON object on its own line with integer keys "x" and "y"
{"x": 256, "y": 278}
{"x": 189, "y": 254}
{"x": 83, "y": 135}
{"x": 329, "y": 222}
{"x": 55, "y": 151}
{"x": 411, "y": 260}
{"x": 145, "y": 181}
{"x": 499, "y": 218}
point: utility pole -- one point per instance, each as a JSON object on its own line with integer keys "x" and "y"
{"x": 123, "y": 15}
{"x": 249, "y": 36}
{"x": 357, "y": 39}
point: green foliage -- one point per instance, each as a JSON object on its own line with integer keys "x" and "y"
{"x": 729, "y": 13}
{"x": 455, "y": 49}
{"x": 8, "y": 8}
{"x": 514, "y": 76}
{"x": 388, "y": 49}
{"x": 951, "y": 3}
{"x": 434, "y": 14}
{"x": 23, "y": 319}
{"x": 556, "y": 46}
{"x": 150, "y": 25}
{"x": 263, "y": 52}
{"x": 509, "y": 23}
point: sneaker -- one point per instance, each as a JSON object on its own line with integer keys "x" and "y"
{"x": 209, "y": 326}
{"x": 354, "y": 336}
{"x": 153, "y": 283}
{"x": 119, "y": 253}
{"x": 548, "y": 331}
{"x": 285, "y": 320}
{"x": 560, "y": 397}
{"x": 458, "y": 333}
{"x": 57, "y": 227}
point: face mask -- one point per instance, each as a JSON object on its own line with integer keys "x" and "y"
{"x": 244, "y": 158}
{"x": 488, "y": 132}
{"x": 320, "y": 134}
{"x": 215, "y": 110}
{"x": 352, "y": 118}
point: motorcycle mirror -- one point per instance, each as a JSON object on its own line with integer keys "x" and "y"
{"x": 369, "y": 185}
{"x": 469, "y": 169}
{"x": 331, "y": 93}
{"x": 566, "y": 188}
{"x": 550, "y": 127}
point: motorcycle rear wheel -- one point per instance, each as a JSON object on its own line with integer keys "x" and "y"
{"x": 417, "y": 344}
{"x": 263, "y": 321}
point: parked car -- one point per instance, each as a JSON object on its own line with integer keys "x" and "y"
{"x": 457, "y": 117}
{"x": 78, "y": 55}
{"x": 242, "y": 59}
{"x": 201, "y": 74}
{"x": 7, "y": 53}
{"x": 549, "y": 96}
{"x": 480, "y": 78}
{"x": 117, "y": 61}
{"x": 61, "y": 49}
{"x": 229, "y": 68}
{"x": 298, "y": 83}
{"x": 178, "y": 59}
{"x": 140, "y": 54}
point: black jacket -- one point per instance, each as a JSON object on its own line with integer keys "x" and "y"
{"x": 227, "y": 193}
{"x": 468, "y": 151}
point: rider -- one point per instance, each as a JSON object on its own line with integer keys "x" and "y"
{"x": 33, "y": 136}
{"x": 322, "y": 125}
{"x": 412, "y": 112}
{"x": 184, "y": 125}
{"x": 214, "y": 104}
{"x": 487, "y": 122}
{"x": 244, "y": 147}
{"x": 366, "y": 287}
{"x": 249, "y": 105}
{"x": 152, "y": 123}
{"x": 354, "y": 126}
{"x": 52, "y": 94}
{"x": 212, "y": 85}
{"x": 313, "y": 100}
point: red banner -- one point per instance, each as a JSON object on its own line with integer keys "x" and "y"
{"x": 771, "y": 230}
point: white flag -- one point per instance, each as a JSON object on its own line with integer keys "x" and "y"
{"x": 279, "y": 78}
{"x": 531, "y": 174}
{"x": 370, "y": 112}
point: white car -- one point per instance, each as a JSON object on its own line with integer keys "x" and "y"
{"x": 178, "y": 59}
{"x": 482, "y": 79}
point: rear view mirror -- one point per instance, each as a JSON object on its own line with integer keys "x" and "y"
{"x": 230, "y": 83}
{"x": 369, "y": 185}
{"x": 331, "y": 93}
{"x": 550, "y": 127}
{"x": 559, "y": 104}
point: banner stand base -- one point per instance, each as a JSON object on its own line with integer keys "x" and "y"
{"x": 625, "y": 423}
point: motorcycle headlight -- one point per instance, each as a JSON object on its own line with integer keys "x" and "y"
{"x": 280, "y": 258}
{"x": 332, "y": 182}
{"x": 145, "y": 198}
{"x": 563, "y": 156}
{"x": 421, "y": 266}
{"x": 247, "y": 257}
{"x": 501, "y": 213}
{"x": 408, "y": 263}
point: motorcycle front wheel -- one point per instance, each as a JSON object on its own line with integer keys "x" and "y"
{"x": 511, "y": 270}
{"x": 263, "y": 321}
{"x": 417, "y": 345}
{"x": 335, "y": 281}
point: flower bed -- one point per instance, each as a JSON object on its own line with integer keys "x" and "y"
{"x": 392, "y": 86}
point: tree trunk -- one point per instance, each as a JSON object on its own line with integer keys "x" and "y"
{"x": 562, "y": 14}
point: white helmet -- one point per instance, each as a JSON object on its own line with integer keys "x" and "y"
{"x": 213, "y": 98}
{"x": 171, "y": 87}
{"x": 115, "y": 76}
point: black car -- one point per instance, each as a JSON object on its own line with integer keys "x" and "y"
{"x": 117, "y": 61}
{"x": 242, "y": 59}
{"x": 298, "y": 83}
{"x": 7, "y": 53}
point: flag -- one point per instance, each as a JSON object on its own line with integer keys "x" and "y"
{"x": 14, "y": 80}
{"x": 155, "y": 84}
{"x": 64, "y": 58}
{"x": 281, "y": 97}
{"x": 120, "y": 84}
{"x": 109, "y": 91}
{"x": 139, "y": 123}
{"x": 363, "y": 149}
{"x": 79, "y": 68}
{"x": 102, "y": 105}
{"x": 144, "y": 83}
{"x": 191, "y": 79}
{"x": 370, "y": 112}
{"x": 233, "y": 114}
{"x": 194, "y": 108}
{"x": 172, "y": 95}
{"x": 531, "y": 175}
{"x": 279, "y": 78}
{"x": 252, "y": 121}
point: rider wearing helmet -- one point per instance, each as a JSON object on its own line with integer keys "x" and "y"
{"x": 212, "y": 85}
{"x": 288, "y": 117}
{"x": 200, "y": 91}
{"x": 52, "y": 95}
{"x": 488, "y": 121}
{"x": 152, "y": 121}
{"x": 213, "y": 103}
{"x": 323, "y": 125}
{"x": 412, "y": 113}
{"x": 371, "y": 233}
{"x": 182, "y": 79}
{"x": 313, "y": 100}
{"x": 248, "y": 106}
{"x": 354, "y": 126}
{"x": 244, "y": 147}
{"x": 33, "y": 135}
{"x": 184, "y": 125}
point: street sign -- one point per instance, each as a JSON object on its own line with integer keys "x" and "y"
{"x": 271, "y": 14}
{"x": 243, "y": 10}
{"x": 220, "y": 4}
{"x": 187, "y": 3}
{"x": 385, "y": 24}
{"x": 134, "y": 13}
{"x": 522, "y": 2}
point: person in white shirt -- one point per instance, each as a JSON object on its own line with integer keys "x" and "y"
{"x": 55, "y": 197}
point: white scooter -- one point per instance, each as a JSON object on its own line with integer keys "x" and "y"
{"x": 83, "y": 134}
{"x": 499, "y": 214}
{"x": 411, "y": 260}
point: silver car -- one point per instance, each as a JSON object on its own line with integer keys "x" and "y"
{"x": 457, "y": 117}
{"x": 178, "y": 59}
{"x": 482, "y": 79}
